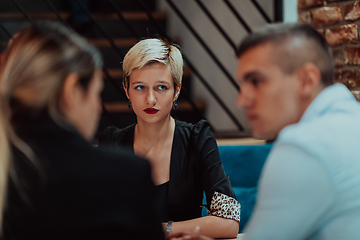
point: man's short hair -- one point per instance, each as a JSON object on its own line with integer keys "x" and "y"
{"x": 294, "y": 45}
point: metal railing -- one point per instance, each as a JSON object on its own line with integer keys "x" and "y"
{"x": 278, "y": 4}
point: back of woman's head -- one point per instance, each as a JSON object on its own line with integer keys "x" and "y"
{"x": 154, "y": 50}
{"x": 34, "y": 68}
{"x": 36, "y": 65}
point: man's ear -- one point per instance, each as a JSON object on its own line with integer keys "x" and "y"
{"x": 70, "y": 91}
{"x": 177, "y": 91}
{"x": 309, "y": 77}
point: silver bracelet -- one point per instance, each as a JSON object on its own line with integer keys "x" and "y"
{"x": 168, "y": 227}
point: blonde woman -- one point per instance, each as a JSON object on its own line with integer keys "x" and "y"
{"x": 184, "y": 157}
{"x": 60, "y": 187}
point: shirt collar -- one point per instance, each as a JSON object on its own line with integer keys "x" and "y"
{"x": 326, "y": 99}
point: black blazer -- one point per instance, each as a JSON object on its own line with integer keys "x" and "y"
{"x": 195, "y": 168}
{"x": 76, "y": 191}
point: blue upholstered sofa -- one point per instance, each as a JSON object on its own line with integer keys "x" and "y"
{"x": 243, "y": 164}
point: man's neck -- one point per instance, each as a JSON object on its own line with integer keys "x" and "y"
{"x": 305, "y": 103}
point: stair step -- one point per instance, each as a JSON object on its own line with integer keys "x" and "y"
{"x": 122, "y": 43}
{"x": 112, "y": 57}
{"x": 64, "y": 5}
{"x": 99, "y": 43}
{"x": 130, "y": 16}
{"x": 109, "y": 22}
{"x": 33, "y": 5}
{"x": 118, "y": 73}
{"x": 123, "y": 106}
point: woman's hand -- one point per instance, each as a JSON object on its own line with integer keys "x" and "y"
{"x": 195, "y": 235}
{"x": 164, "y": 226}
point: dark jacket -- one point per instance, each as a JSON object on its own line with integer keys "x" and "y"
{"x": 76, "y": 191}
{"x": 195, "y": 167}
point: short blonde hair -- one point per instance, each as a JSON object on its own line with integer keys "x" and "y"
{"x": 154, "y": 50}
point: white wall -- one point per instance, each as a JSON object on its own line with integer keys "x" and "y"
{"x": 202, "y": 61}
{"x": 290, "y": 10}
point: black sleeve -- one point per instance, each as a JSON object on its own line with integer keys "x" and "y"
{"x": 213, "y": 177}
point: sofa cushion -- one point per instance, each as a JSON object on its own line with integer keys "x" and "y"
{"x": 243, "y": 163}
{"x": 247, "y": 198}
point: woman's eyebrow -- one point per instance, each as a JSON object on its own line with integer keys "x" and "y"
{"x": 163, "y": 82}
{"x": 138, "y": 82}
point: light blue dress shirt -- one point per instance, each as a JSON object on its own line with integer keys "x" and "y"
{"x": 310, "y": 184}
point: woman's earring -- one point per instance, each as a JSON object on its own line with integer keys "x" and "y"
{"x": 175, "y": 104}
{"x": 129, "y": 104}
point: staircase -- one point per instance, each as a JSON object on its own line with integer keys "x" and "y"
{"x": 115, "y": 111}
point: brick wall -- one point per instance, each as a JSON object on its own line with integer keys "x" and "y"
{"x": 339, "y": 22}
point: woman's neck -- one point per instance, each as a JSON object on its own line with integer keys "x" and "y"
{"x": 153, "y": 133}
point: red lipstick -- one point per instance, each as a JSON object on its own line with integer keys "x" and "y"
{"x": 150, "y": 110}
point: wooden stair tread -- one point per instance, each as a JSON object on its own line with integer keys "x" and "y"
{"x": 130, "y": 16}
{"x": 102, "y": 42}
{"x": 120, "y": 42}
{"x": 118, "y": 73}
{"x": 123, "y": 106}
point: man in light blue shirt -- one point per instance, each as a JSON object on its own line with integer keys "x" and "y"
{"x": 310, "y": 184}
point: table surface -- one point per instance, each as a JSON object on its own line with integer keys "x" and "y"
{"x": 240, "y": 236}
